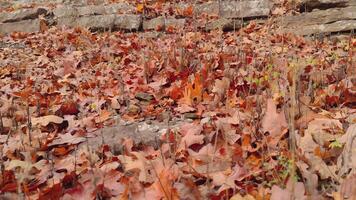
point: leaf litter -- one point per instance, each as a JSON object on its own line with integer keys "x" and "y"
{"x": 72, "y": 84}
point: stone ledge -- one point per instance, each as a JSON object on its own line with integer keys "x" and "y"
{"x": 103, "y": 22}
{"x": 69, "y": 11}
{"x": 161, "y": 23}
{"x": 31, "y": 25}
{"x": 321, "y": 21}
{"x": 19, "y": 15}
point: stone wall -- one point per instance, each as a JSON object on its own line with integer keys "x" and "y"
{"x": 318, "y": 16}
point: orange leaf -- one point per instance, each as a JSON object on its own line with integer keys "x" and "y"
{"x": 53, "y": 193}
{"x": 62, "y": 151}
{"x": 188, "y": 12}
{"x": 140, "y": 7}
{"x": 104, "y": 115}
{"x": 193, "y": 91}
{"x": 24, "y": 94}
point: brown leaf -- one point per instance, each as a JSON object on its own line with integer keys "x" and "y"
{"x": 45, "y": 120}
{"x": 68, "y": 108}
{"x": 275, "y": 123}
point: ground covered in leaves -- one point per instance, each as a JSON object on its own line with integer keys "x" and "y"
{"x": 242, "y": 97}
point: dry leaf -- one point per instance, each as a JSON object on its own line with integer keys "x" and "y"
{"x": 275, "y": 123}
{"x": 45, "y": 120}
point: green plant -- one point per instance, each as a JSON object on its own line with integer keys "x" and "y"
{"x": 335, "y": 144}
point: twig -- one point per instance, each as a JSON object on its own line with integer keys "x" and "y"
{"x": 292, "y": 138}
{"x": 29, "y": 124}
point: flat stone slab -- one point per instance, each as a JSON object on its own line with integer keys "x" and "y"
{"x": 309, "y": 5}
{"x": 245, "y": 9}
{"x": 92, "y": 22}
{"x": 161, "y": 23}
{"x": 127, "y": 22}
{"x": 100, "y": 22}
{"x": 70, "y": 11}
{"x": 19, "y": 15}
{"x": 139, "y": 132}
{"x": 32, "y": 25}
{"x": 320, "y": 21}
{"x": 223, "y": 24}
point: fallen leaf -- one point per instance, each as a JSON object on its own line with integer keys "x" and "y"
{"x": 67, "y": 138}
{"x": 286, "y": 194}
{"x": 347, "y": 160}
{"x": 45, "y": 120}
{"x": 275, "y": 123}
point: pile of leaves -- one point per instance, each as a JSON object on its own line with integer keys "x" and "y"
{"x": 235, "y": 90}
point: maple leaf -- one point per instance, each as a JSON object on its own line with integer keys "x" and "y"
{"x": 191, "y": 135}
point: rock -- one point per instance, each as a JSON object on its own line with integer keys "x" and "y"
{"x": 103, "y": 22}
{"x": 22, "y": 15}
{"x": 139, "y": 132}
{"x": 12, "y": 45}
{"x": 235, "y": 9}
{"x": 120, "y": 8}
{"x": 133, "y": 109}
{"x": 21, "y": 26}
{"x": 95, "y": 22}
{"x": 161, "y": 23}
{"x": 321, "y": 21}
{"x": 142, "y": 96}
{"x": 175, "y": 23}
{"x": 211, "y": 8}
{"x": 245, "y": 9}
{"x": 65, "y": 11}
{"x": 309, "y": 5}
{"x": 191, "y": 116}
{"x": 91, "y": 10}
{"x": 70, "y": 11}
{"x": 153, "y": 24}
{"x": 128, "y": 22}
{"x": 223, "y": 24}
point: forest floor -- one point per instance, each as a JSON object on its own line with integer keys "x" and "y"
{"x": 180, "y": 114}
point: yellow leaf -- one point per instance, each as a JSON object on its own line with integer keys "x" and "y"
{"x": 140, "y": 7}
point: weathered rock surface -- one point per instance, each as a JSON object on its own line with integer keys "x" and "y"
{"x": 309, "y": 5}
{"x": 235, "y": 9}
{"x": 127, "y": 22}
{"x": 142, "y": 96}
{"x": 320, "y": 21}
{"x": 161, "y": 23}
{"x": 211, "y": 8}
{"x": 19, "y": 15}
{"x": 31, "y": 25}
{"x": 245, "y": 9}
{"x": 223, "y": 24}
{"x": 70, "y": 11}
{"x": 340, "y": 15}
{"x": 101, "y": 22}
{"x": 94, "y": 22}
{"x": 141, "y": 132}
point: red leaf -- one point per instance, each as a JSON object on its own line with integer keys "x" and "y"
{"x": 68, "y": 108}
{"x": 53, "y": 193}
